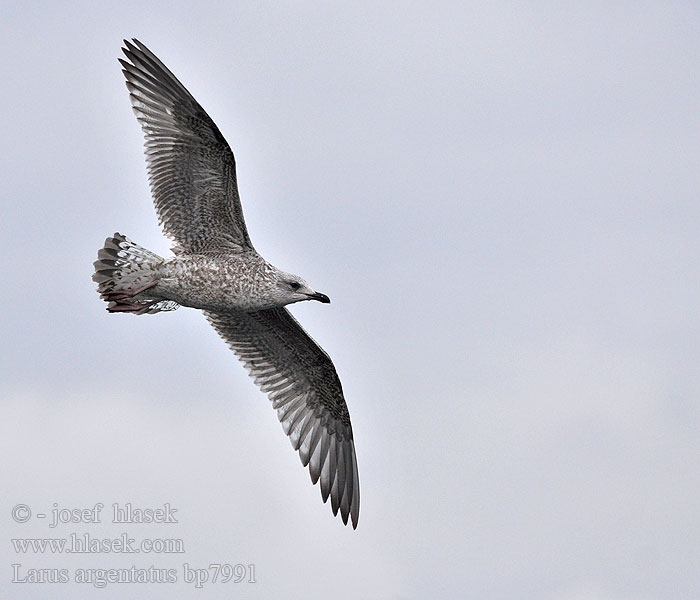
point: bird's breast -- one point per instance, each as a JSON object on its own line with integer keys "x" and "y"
{"x": 211, "y": 283}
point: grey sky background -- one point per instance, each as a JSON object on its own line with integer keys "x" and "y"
{"x": 501, "y": 199}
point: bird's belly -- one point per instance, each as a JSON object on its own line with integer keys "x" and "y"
{"x": 206, "y": 285}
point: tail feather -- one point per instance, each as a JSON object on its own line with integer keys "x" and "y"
{"x": 125, "y": 272}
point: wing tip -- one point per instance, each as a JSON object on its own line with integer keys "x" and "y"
{"x": 339, "y": 480}
{"x": 128, "y": 46}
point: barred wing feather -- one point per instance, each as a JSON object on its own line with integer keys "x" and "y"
{"x": 192, "y": 171}
{"x": 301, "y": 381}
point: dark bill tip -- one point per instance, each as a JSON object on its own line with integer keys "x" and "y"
{"x": 320, "y": 297}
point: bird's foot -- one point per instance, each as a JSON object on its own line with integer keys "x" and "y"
{"x": 123, "y": 294}
{"x": 132, "y": 307}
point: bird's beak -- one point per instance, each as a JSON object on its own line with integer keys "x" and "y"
{"x": 320, "y": 297}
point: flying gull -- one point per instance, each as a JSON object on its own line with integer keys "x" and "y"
{"x": 192, "y": 174}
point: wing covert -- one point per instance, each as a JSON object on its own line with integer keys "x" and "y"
{"x": 302, "y": 383}
{"x": 191, "y": 169}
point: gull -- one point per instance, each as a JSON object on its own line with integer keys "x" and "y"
{"x": 215, "y": 268}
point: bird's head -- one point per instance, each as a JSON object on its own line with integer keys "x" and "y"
{"x": 288, "y": 288}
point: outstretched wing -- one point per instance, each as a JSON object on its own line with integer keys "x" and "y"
{"x": 191, "y": 168}
{"x": 301, "y": 381}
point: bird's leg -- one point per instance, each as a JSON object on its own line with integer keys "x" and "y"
{"x": 143, "y": 288}
{"x": 123, "y": 307}
{"x": 139, "y": 309}
{"x": 121, "y": 294}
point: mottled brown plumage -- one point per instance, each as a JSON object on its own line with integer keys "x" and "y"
{"x": 192, "y": 173}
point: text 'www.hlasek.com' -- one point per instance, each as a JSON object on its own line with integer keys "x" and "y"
{"x": 154, "y": 559}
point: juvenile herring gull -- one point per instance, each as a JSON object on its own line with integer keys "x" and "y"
{"x": 192, "y": 174}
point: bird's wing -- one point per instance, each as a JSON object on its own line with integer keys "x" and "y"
{"x": 301, "y": 381}
{"x": 191, "y": 168}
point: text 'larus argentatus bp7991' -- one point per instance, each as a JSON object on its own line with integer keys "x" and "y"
{"x": 192, "y": 174}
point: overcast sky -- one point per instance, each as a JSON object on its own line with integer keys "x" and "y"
{"x": 501, "y": 199}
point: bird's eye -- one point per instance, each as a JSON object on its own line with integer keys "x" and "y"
{"x": 295, "y": 285}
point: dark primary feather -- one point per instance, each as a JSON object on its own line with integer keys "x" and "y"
{"x": 301, "y": 381}
{"x": 191, "y": 168}
{"x": 192, "y": 173}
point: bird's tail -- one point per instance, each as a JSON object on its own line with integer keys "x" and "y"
{"x": 125, "y": 273}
